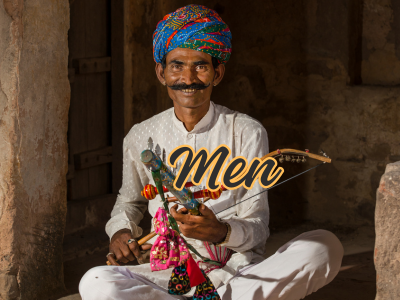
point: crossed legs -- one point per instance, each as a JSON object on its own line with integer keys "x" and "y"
{"x": 298, "y": 268}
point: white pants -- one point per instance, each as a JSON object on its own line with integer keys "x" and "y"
{"x": 298, "y": 268}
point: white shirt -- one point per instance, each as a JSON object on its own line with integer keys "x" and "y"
{"x": 242, "y": 134}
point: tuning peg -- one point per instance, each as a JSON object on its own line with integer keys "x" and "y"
{"x": 158, "y": 150}
{"x": 298, "y": 160}
{"x": 303, "y": 160}
{"x": 293, "y": 159}
{"x": 150, "y": 144}
{"x": 323, "y": 153}
{"x": 287, "y": 158}
{"x": 281, "y": 159}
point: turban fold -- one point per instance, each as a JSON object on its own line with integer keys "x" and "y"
{"x": 195, "y": 27}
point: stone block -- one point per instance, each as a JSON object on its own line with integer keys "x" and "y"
{"x": 9, "y": 288}
{"x": 34, "y": 101}
{"x": 387, "y": 226}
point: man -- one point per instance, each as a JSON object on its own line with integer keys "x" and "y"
{"x": 191, "y": 47}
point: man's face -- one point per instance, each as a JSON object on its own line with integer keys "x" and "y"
{"x": 189, "y": 76}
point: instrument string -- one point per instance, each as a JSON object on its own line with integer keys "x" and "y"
{"x": 270, "y": 188}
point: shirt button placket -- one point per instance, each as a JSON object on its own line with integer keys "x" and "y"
{"x": 190, "y": 140}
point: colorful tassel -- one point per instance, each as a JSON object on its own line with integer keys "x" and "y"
{"x": 179, "y": 283}
{"x": 196, "y": 276}
{"x": 206, "y": 290}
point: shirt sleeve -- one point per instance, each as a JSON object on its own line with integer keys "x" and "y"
{"x": 130, "y": 205}
{"x": 249, "y": 225}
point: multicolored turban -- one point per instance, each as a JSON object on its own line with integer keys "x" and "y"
{"x": 195, "y": 27}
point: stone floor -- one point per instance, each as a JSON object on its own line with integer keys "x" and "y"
{"x": 355, "y": 281}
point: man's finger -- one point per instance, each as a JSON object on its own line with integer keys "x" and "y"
{"x": 126, "y": 251}
{"x": 206, "y": 212}
{"x": 184, "y": 229}
{"x": 134, "y": 246}
{"x": 177, "y": 216}
{"x": 183, "y": 210}
{"x": 146, "y": 247}
{"x": 173, "y": 209}
{"x": 112, "y": 260}
{"x": 120, "y": 256}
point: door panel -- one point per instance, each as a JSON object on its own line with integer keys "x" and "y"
{"x": 90, "y": 124}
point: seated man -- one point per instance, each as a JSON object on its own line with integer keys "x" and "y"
{"x": 191, "y": 47}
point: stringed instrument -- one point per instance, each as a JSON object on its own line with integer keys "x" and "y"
{"x": 282, "y": 155}
{"x": 164, "y": 180}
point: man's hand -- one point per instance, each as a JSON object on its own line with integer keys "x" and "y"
{"x": 204, "y": 228}
{"x": 123, "y": 251}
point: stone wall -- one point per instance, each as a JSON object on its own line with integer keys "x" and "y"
{"x": 294, "y": 67}
{"x": 381, "y": 42}
{"x": 34, "y": 102}
{"x": 387, "y": 251}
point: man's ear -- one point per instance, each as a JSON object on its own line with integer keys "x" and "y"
{"x": 160, "y": 73}
{"x": 219, "y": 74}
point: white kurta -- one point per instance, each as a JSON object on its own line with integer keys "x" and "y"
{"x": 242, "y": 134}
{"x": 249, "y": 220}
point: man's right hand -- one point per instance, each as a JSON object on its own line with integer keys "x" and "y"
{"x": 123, "y": 251}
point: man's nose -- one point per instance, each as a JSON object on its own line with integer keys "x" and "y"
{"x": 188, "y": 76}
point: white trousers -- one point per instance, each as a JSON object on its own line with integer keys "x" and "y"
{"x": 300, "y": 267}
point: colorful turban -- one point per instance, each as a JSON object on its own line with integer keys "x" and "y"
{"x": 195, "y": 27}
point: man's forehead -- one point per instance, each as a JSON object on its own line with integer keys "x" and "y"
{"x": 187, "y": 55}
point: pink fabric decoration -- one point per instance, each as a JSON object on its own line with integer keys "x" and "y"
{"x": 169, "y": 250}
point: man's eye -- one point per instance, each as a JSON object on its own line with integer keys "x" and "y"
{"x": 201, "y": 68}
{"x": 176, "y": 67}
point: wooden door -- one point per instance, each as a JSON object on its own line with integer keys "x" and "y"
{"x": 95, "y": 130}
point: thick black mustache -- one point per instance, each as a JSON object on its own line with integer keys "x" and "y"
{"x": 184, "y": 86}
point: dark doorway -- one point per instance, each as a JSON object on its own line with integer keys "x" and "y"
{"x": 95, "y": 128}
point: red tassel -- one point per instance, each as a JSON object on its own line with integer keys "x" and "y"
{"x": 194, "y": 272}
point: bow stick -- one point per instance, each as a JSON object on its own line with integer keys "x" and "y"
{"x": 284, "y": 155}
{"x": 282, "y": 152}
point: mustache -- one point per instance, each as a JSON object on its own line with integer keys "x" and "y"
{"x": 184, "y": 86}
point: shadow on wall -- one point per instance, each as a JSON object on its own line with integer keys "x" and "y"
{"x": 260, "y": 82}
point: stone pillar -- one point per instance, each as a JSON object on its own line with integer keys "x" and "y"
{"x": 387, "y": 226}
{"x": 34, "y": 102}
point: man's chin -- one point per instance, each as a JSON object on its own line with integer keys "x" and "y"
{"x": 190, "y": 101}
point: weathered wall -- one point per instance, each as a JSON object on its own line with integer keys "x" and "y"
{"x": 34, "y": 101}
{"x": 381, "y": 42}
{"x": 387, "y": 250}
{"x": 292, "y": 67}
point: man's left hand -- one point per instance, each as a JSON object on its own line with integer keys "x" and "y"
{"x": 204, "y": 228}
